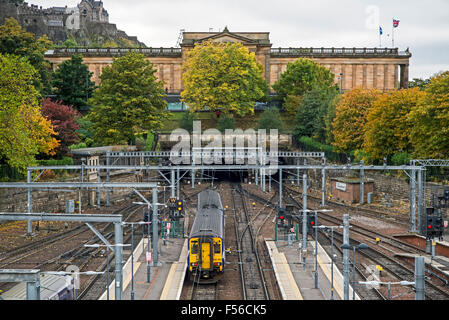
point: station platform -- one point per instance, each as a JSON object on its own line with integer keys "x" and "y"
{"x": 298, "y": 283}
{"x": 439, "y": 263}
{"x": 165, "y": 279}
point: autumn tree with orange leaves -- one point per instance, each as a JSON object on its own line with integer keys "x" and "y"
{"x": 348, "y": 127}
{"x": 388, "y": 124}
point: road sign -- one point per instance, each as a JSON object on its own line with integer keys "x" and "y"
{"x": 149, "y": 257}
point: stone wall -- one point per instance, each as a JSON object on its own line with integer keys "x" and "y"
{"x": 396, "y": 189}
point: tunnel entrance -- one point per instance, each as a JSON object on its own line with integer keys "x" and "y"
{"x": 231, "y": 176}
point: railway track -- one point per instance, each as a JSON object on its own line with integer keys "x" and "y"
{"x": 98, "y": 284}
{"x": 365, "y": 293}
{"x": 252, "y": 278}
{"x": 395, "y": 244}
{"x": 393, "y": 266}
{"x": 39, "y": 253}
{"x": 64, "y": 249}
{"x": 204, "y": 291}
{"x": 369, "y": 233}
{"x": 362, "y": 211}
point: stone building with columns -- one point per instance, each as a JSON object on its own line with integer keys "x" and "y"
{"x": 385, "y": 69}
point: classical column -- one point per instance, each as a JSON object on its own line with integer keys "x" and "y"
{"x": 375, "y": 76}
{"x": 365, "y": 76}
{"x": 404, "y": 76}
{"x": 354, "y": 76}
{"x": 385, "y": 77}
{"x": 267, "y": 66}
{"x": 172, "y": 78}
{"x": 396, "y": 76}
{"x": 161, "y": 74}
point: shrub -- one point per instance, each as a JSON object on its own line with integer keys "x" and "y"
{"x": 226, "y": 122}
{"x": 66, "y": 161}
{"x": 271, "y": 119}
{"x": 186, "y": 122}
{"x": 402, "y": 158}
{"x": 80, "y": 145}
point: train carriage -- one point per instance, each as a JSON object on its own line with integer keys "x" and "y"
{"x": 207, "y": 240}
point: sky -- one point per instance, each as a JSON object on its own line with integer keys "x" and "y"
{"x": 424, "y": 25}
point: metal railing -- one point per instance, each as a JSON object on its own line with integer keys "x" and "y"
{"x": 116, "y": 51}
{"x": 334, "y": 51}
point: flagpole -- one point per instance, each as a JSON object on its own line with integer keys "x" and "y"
{"x": 392, "y": 34}
{"x": 380, "y": 36}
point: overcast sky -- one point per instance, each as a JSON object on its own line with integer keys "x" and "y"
{"x": 424, "y": 25}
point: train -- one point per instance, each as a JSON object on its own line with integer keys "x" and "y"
{"x": 206, "y": 254}
{"x": 52, "y": 287}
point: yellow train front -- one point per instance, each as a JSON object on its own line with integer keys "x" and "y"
{"x": 206, "y": 241}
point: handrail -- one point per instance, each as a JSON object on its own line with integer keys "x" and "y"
{"x": 115, "y": 51}
{"x": 334, "y": 51}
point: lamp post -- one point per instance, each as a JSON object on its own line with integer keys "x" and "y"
{"x": 389, "y": 284}
{"x": 132, "y": 253}
{"x": 341, "y": 82}
{"x": 96, "y": 245}
{"x": 148, "y": 236}
{"x": 316, "y": 243}
{"x": 331, "y": 229}
{"x": 361, "y": 246}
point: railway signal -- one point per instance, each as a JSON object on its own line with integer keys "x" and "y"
{"x": 176, "y": 207}
{"x": 180, "y": 207}
{"x": 172, "y": 204}
{"x": 289, "y": 215}
{"x": 311, "y": 223}
{"x": 434, "y": 226}
{"x": 147, "y": 215}
{"x": 281, "y": 215}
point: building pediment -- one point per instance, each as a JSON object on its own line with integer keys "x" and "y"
{"x": 248, "y": 39}
{"x": 229, "y": 37}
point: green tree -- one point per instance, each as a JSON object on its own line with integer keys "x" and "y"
{"x": 24, "y": 132}
{"x": 430, "y": 119}
{"x": 70, "y": 43}
{"x": 388, "y": 126}
{"x": 15, "y": 40}
{"x": 310, "y": 119}
{"x": 270, "y": 119}
{"x": 419, "y": 83}
{"x": 223, "y": 76}
{"x": 302, "y": 76}
{"x": 129, "y": 101}
{"x": 72, "y": 83}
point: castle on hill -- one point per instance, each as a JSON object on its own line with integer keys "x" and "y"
{"x": 88, "y": 22}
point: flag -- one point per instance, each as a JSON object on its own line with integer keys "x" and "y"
{"x": 395, "y": 23}
{"x": 381, "y": 31}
